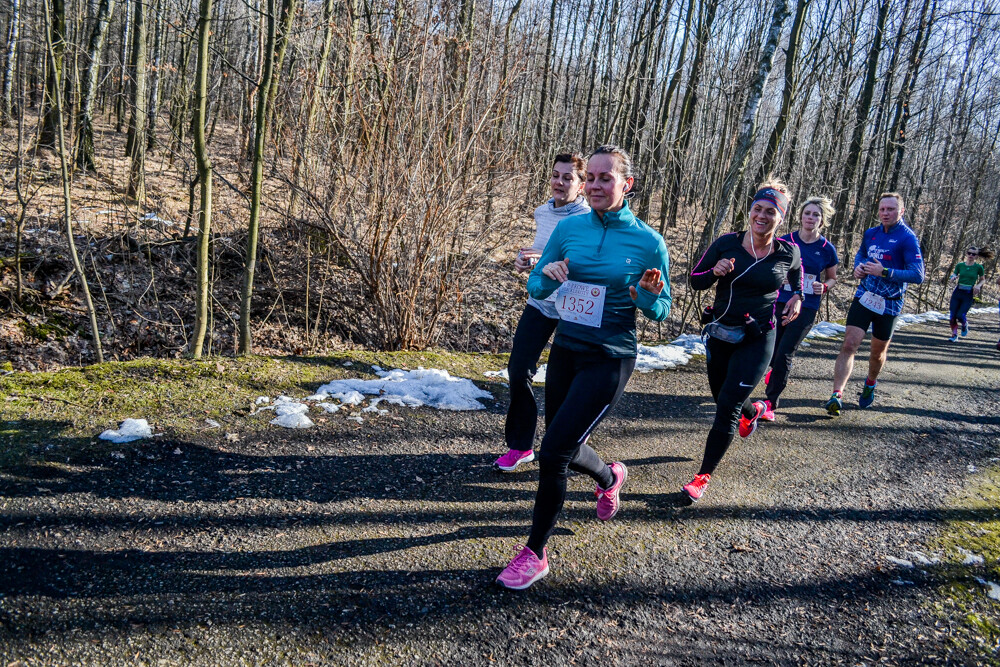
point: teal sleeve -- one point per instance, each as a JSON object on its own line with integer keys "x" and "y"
{"x": 656, "y": 306}
{"x": 540, "y": 285}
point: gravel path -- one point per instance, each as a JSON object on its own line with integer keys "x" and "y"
{"x": 379, "y": 543}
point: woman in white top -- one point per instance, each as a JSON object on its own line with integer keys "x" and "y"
{"x": 539, "y": 318}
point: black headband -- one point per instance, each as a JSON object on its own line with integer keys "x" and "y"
{"x": 779, "y": 199}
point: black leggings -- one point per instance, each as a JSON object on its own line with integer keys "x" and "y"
{"x": 961, "y": 301}
{"x": 733, "y": 372}
{"x": 533, "y": 331}
{"x": 787, "y": 339}
{"x": 580, "y": 390}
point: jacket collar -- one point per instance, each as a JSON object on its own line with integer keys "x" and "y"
{"x": 623, "y": 217}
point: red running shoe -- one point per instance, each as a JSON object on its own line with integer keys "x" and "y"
{"x": 748, "y": 426}
{"x": 607, "y": 499}
{"x": 768, "y": 414}
{"x": 695, "y": 489}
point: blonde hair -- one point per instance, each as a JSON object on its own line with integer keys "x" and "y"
{"x": 895, "y": 195}
{"x": 623, "y": 161}
{"x": 775, "y": 184}
{"x": 825, "y": 206}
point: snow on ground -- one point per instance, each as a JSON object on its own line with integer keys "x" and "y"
{"x": 992, "y": 589}
{"x": 130, "y": 429}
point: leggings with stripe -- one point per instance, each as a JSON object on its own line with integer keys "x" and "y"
{"x": 580, "y": 390}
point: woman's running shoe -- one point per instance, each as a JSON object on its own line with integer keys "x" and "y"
{"x": 954, "y": 337}
{"x": 510, "y": 461}
{"x": 867, "y": 395}
{"x": 748, "y": 426}
{"x": 834, "y": 405}
{"x": 607, "y": 499}
{"x": 965, "y": 331}
{"x": 695, "y": 489}
{"x": 768, "y": 414}
{"x": 525, "y": 569}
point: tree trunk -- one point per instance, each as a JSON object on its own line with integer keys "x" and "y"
{"x": 748, "y": 124}
{"x": 123, "y": 84}
{"x": 155, "y": 79}
{"x": 682, "y": 138}
{"x": 136, "y": 146}
{"x": 861, "y": 118}
{"x": 6, "y": 98}
{"x": 55, "y": 107}
{"x": 202, "y": 304}
{"x": 257, "y": 178}
{"x": 543, "y": 98}
{"x": 53, "y": 81}
{"x": 787, "y": 93}
{"x": 85, "y": 126}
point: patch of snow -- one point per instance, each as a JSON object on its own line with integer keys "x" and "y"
{"x": 350, "y": 397}
{"x": 373, "y": 407}
{"x": 660, "y": 357}
{"x": 130, "y": 429}
{"x": 922, "y": 559}
{"x": 902, "y": 582}
{"x": 316, "y": 397}
{"x": 347, "y": 364}
{"x": 425, "y": 386}
{"x": 993, "y": 590}
{"x": 826, "y": 330}
{"x": 262, "y": 400}
{"x": 328, "y": 407}
{"x": 970, "y": 558}
{"x": 902, "y": 562}
{"x": 177, "y": 451}
{"x": 971, "y": 468}
{"x": 357, "y": 418}
{"x": 212, "y": 423}
{"x": 293, "y": 420}
{"x": 538, "y": 378}
{"x": 285, "y": 409}
{"x": 692, "y": 344}
{"x": 117, "y": 455}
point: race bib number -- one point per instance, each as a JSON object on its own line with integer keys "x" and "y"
{"x": 581, "y": 303}
{"x": 807, "y": 284}
{"x": 873, "y": 302}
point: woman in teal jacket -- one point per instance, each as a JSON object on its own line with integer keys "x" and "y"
{"x": 604, "y": 264}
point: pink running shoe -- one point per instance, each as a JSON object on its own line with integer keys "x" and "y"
{"x": 510, "y": 461}
{"x": 695, "y": 489}
{"x": 768, "y": 414}
{"x": 767, "y": 378}
{"x": 748, "y": 426}
{"x": 524, "y": 570}
{"x": 607, "y": 499}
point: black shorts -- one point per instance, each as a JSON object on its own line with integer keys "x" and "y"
{"x": 860, "y": 317}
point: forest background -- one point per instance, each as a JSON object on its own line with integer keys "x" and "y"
{"x": 290, "y": 176}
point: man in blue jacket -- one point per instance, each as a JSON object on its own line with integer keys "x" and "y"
{"x": 888, "y": 259}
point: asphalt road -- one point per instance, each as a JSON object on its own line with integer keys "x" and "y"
{"x": 379, "y": 543}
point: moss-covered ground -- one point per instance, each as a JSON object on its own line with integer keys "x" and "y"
{"x": 74, "y": 405}
{"x": 963, "y": 603}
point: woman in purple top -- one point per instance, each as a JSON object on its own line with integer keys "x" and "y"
{"x": 819, "y": 273}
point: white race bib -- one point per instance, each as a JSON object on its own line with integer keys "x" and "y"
{"x": 581, "y": 303}
{"x": 873, "y": 302}
{"x": 807, "y": 284}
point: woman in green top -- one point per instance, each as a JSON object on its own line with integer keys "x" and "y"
{"x": 970, "y": 276}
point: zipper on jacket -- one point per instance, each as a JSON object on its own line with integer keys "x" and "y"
{"x": 603, "y": 235}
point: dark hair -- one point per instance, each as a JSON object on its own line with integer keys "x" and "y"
{"x": 985, "y": 253}
{"x": 576, "y": 159}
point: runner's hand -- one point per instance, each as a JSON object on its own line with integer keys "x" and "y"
{"x": 724, "y": 266}
{"x": 859, "y": 271}
{"x": 873, "y": 268}
{"x": 650, "y": 282}
{"x": 792, "y": 309}
{"x": 557, "y": 270}
{"x": 818, "y": 287}
{"x": 524, "y": 259}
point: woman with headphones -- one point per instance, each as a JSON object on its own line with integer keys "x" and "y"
{"x": 748, "y": 268}
{"x": 819, "y": 266}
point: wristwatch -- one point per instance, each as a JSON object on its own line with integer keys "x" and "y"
{"x": 885, "y": 273}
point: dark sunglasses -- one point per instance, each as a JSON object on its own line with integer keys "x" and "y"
{"x": 971, "y": 253}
